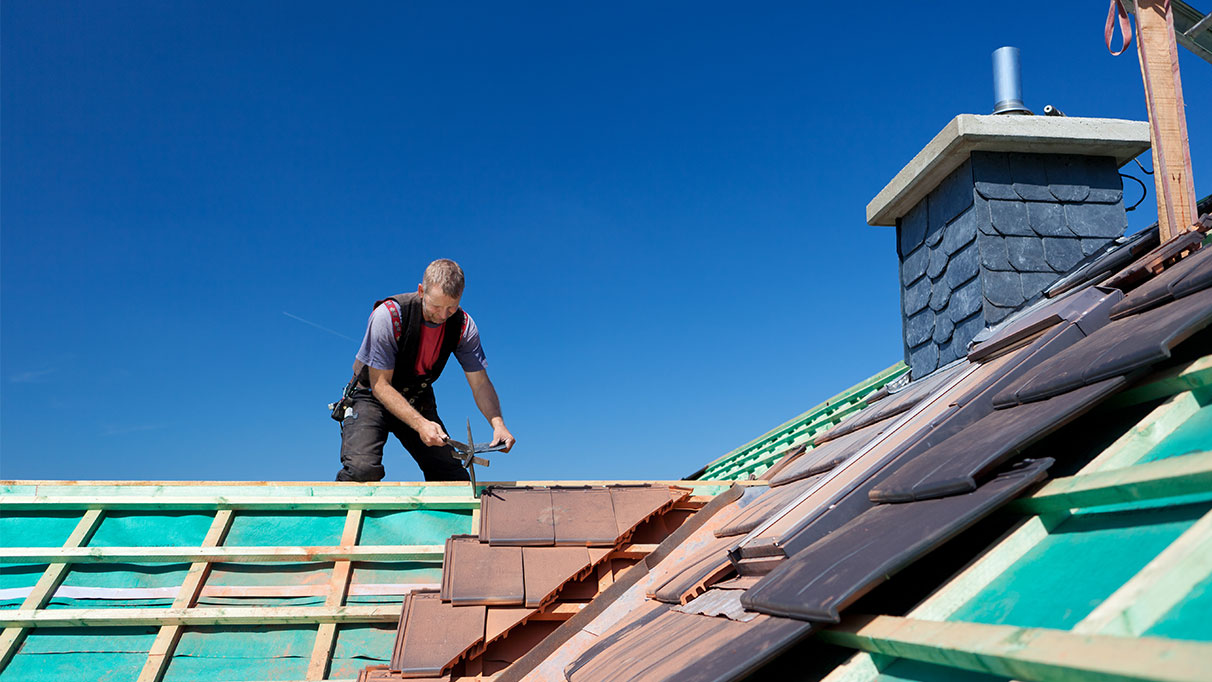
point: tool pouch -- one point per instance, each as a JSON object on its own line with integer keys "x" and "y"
{"x": 342, "y": 407}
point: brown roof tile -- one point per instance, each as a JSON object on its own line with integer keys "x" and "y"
{"x": 476, "y": 573}
{"x": 432, "y": 635}
{"x": 583, "y": 516}
{"x": 517, "y": 516}
{"x": 546, "y": 569}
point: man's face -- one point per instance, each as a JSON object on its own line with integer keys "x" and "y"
{"x": 436, "y": 306}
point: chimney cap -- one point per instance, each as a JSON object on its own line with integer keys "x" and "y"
{"x": 966, "y": 133}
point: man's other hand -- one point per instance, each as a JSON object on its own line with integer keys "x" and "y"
{"x": 432, "y": 434}
{"x": 500, "y": 434}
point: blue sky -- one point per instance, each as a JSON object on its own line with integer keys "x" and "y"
{"x": 659, "y": 207}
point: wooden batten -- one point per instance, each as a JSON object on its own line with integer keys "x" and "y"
{"x": 1167, "y": 118}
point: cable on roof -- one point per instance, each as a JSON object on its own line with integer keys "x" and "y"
{"x": 1144, "y": 191}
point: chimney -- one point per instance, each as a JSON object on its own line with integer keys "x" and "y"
{"x": 994, "y": 210}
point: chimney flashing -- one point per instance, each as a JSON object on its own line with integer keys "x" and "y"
{"x": 953, "y": 146}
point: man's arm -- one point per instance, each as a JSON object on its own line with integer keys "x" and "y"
{"x": 380, "y": 384}
{"x": 486, "y": 399}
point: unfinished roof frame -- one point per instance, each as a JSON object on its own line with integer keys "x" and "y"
{"x": 930, "y": 633}
{"x": 226, "y": 500}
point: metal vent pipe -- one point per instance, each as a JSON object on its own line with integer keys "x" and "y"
{"x": 1007, "y": 85}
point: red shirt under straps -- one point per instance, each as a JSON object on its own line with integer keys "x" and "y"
{"x": 431, "y": 344}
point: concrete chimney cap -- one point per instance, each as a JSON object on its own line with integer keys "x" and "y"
{"x": 966, "y": 133}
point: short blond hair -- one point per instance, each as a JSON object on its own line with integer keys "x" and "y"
{"x": 446, "y": 275}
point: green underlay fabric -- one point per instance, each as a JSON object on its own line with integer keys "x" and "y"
{"x": 74, "y": 654}
{"x": 37, "y": 528}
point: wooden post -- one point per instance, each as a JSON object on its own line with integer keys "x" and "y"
{"x": 1167, "y": 117}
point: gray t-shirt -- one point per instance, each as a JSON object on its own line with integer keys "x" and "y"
{"x": 379, "y": 345}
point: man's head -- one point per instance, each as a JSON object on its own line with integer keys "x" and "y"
{"x": 440, "y": 290}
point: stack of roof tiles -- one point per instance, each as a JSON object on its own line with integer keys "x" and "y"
{"x": 765, "y": 566}
{"x": 534, "y": 542}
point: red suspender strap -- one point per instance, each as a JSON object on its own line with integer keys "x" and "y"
{"x": 395, "y": 317}
{"x": 1125, "y": 27}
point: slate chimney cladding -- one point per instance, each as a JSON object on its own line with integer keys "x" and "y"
{"x": 992, "y": 237}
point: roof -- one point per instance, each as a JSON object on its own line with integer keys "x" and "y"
{"x": 1041, "y": 509}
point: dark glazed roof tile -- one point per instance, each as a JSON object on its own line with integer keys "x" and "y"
{"x": 1034, "y": 322}
{"x": 958, "y": 463}
{"x": 1155, "y": 260}
{"x": 584, "y": 516}
{"x": 826, "y": 456}
{"x": 546, "y": 569}
{"x": 668, "y": 645}
{"x": 789, "y": 455}
{"x": 478, "y": 573}
{"x": 517, "y": 516}
{"x": 761, "y": 509}
{"x": 817, "y": 583}
{"x": 1123, "y": 346}
{"x": 433, "y": 635}
{"x": 1184, "y": 277}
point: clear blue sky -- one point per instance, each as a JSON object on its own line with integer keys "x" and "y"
{"x": 659, "y": 208}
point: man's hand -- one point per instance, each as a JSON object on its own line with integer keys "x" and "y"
{"x": 500, "y": 434}
{"x": 432, "y": 434}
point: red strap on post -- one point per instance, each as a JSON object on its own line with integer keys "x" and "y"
{"x": 1125, "y": 27}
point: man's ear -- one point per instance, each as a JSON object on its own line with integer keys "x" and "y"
{"x": 421, "y": 288}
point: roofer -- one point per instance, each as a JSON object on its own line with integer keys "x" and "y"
{"x": 408, "y": 340}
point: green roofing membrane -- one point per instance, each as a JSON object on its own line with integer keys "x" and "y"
{"x": 1039, "y": 590}
{"x": 1193, "y": 435}
{"x": 1189, "y": 619}
{"x": 136, "y": 529}
{"x": 75, "y": 654}
{"x": 37, "y": 528}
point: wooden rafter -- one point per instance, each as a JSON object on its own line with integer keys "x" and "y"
{"x": 51, "y": 578}
{"x": 167, "y": 637}
{"x": 1030, "y": 653}
{"x": 33, "y": 555}
{"x": 338, "y": 590}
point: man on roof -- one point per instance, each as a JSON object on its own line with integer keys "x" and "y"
{"x": 408, "y": 340}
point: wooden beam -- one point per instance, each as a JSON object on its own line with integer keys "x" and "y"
{"x": 227, "y": 615}
{"x": 1131, "y": 447}
{"x": 162, "y": 647}
{"x": 232, "y": 501}
{"x": 1139, "y": 603}
{"x": 95, "y": 555}
{"x": 52, "y": 578}
{"x": 1027, "y": 653}
{"x": 338, "y": 589}
{"x": 1171, "y": 477}
{"x": 1167, "y": 117}
{"x": 1191, "y": 376}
